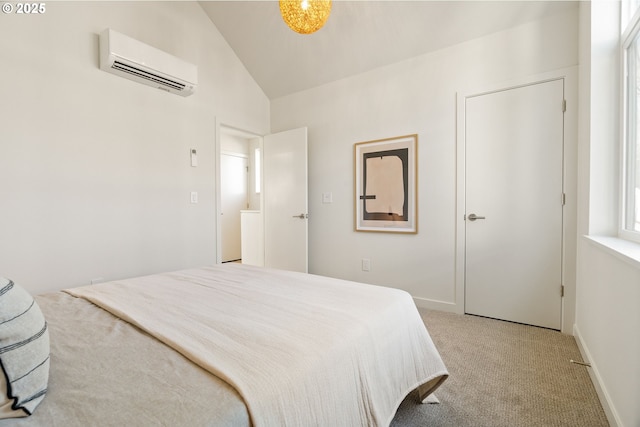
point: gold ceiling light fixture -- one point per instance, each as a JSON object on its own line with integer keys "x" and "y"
{"x": 305, "y": 16}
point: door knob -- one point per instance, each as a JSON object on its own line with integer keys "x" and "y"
{"x": 473, "y": 217}
{"x": 301, "y": 216}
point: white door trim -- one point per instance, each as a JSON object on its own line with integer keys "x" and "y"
{"x": 570, "y": 75}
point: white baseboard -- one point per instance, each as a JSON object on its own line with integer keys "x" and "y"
{"x": 603, "y": 395}
{"x": 437, "y": 305}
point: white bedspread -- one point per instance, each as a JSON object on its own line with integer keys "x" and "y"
{"x": 302, "y": 350}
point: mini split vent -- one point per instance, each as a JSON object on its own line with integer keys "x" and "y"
{"x": 134, "y": 60}
{"x": 140, "y": 73}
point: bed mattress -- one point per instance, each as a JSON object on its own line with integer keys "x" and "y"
{"x": 97, "y": 378}
{"x": 234, "y": 346}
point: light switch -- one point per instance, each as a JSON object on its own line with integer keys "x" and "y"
{"x": 327, "y": 197}
{"x": 194, "y": 197}
{"x": 194, "y": 158}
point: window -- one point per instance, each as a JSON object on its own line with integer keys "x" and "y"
{"x": 256, "y": 159}
{"x": 630, "y": 221}
{"x": 629, "y": 8}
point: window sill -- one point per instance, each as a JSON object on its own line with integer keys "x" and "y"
{"x": 625, "y": 250}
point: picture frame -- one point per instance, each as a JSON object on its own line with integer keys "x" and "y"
{"x": 385, "y": 185}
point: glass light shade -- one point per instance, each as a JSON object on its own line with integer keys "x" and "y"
{"x": 305, "y": 16}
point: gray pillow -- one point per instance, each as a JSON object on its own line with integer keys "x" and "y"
{"x": 24, "y": 352}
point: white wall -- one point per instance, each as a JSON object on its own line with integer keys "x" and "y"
{"x": 94, "y": 169}
{"x": 414, "y": 96}
{"x": 608, "y": 329}
{"x": 608, "y": 284}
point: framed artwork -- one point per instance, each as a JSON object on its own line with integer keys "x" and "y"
{"x": 385, "y": 179}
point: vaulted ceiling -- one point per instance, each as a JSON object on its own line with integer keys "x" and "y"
{"x": 359, "y": 35}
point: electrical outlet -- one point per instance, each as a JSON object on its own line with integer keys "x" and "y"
{"x": 366, "y": 264}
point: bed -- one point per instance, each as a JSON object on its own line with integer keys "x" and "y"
{"x": 232, "y": 345}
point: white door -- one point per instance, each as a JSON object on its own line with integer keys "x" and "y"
{"x": 513, "y": 185}
{"x": 233, "y": 199}
{"x": 285, "y": 200}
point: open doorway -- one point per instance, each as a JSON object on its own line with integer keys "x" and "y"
{"x": 239, "y": 189}
{"x": 273, "y": 227}
{"x": 234, "y": 197}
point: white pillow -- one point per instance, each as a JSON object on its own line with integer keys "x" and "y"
{"x": 24, "y": 352}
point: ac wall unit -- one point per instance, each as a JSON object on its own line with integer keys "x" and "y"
{"x": 134, "y": 60}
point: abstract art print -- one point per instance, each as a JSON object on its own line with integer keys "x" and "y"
{"x": 385, "y": 185}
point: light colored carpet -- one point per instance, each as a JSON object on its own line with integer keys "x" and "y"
{"x": 504, "y": 374}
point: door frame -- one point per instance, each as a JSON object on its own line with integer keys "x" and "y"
{"x": 569, "y": 213}
{"x": 221, "y": 128}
